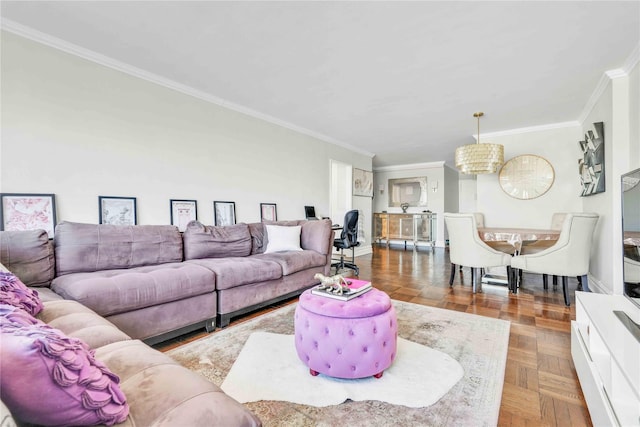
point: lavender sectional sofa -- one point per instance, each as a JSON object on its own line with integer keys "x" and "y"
{"x": 119, "y": 288}
{"x": 154, "y": 283}
{"x": 159, "y": 391}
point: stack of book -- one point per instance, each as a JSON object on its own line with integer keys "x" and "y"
{"x": 356, "y": 288}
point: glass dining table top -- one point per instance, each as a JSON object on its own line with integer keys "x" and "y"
{"x": 516, "y": 237}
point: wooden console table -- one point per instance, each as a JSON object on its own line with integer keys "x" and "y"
{"x": 409, "y": 227}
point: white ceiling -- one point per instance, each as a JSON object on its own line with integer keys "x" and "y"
{"x": 400, "y": 80}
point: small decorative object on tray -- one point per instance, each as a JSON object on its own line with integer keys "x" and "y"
{"x": 337, "y": 287}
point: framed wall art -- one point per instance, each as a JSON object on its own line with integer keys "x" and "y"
{"x": 183, "y": 212}
{"x": 362, "y": 183}
{"x": 591, "y": 166}
{"x": 224, "y": 213}
{"x": 268, "y": 212}
{"x": 20, "y": 211}
{"x": 117, "y": 210}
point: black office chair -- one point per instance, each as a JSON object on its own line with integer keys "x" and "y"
{"x": 348, "y": 239}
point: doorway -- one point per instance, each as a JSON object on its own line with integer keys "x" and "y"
{"x": 340, "y": 197}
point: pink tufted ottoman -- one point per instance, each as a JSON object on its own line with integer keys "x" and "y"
{"x": 353, "y": 339}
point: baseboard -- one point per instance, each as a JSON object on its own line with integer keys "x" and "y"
{"x": 597, "y": 287}
{"x": 364, "y": 250}
{"x": 359, "y": 251}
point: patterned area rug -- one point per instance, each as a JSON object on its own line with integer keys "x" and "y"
{"x": 478, "y": 343}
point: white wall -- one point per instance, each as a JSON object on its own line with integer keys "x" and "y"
{"x": 467, "y": 189}
{"x": 560, "y": 148}
{"x": 79, "y": 129}
{"x": 618, "y": 108}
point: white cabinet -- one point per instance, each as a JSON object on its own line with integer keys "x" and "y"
{"x": 607, "y": 358}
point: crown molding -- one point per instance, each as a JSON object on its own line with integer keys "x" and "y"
{"x": 429, "y": 165}
{"x": 518, "y": 131}
{"x": 606, "y": 77}
{"x": 632, "y": 60}
{"x": 89, "y": 55}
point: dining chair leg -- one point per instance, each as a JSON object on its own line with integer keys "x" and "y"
{"x": 565, "y": 291}
{"x": 583, "y": 283}
{"x": 514, "y": 280}
{"x": 545, "y": 281}
{"x": 555, "y": 281}
{"x": 476, "y": 280}
{"x": 453, "y": 274}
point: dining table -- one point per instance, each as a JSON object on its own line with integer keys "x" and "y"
{"x": 516, "y": 237}
{"x": 511, "y": 240}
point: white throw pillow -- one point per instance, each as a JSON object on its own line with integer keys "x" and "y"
{"x": 283, "y": 238}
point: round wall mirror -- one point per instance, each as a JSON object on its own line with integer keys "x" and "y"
{"x": 526, "y": 177}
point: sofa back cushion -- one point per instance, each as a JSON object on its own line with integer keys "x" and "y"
{"x": 204, "y": 241}
{"x": 29, "y": 255}
{"x": 95, "y": 247}
{"x": 314, "y": 235}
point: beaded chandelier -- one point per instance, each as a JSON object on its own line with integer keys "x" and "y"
{"x": 479, "y": 158}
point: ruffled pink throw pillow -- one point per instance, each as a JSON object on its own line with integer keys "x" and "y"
{"x": 17, "y": 315}
{"x": 54, "y": 380}
{"x": 16, "y": 293}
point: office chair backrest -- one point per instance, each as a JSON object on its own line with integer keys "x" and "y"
{"x": 350, "y": 228}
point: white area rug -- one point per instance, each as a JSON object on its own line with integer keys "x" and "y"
{"x": 418, "y": 377}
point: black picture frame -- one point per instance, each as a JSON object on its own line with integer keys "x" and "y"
{"x": 117, "y": 210}
{"x": 182, "y": 212}
{"x": 268, "y": 212}
{"x": 28, "y": 211}
{"x": 224, "y": 213}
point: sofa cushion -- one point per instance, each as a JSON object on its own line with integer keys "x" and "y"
{"x": 51, "y": 379}
{"x": 203, "y": 241}
{"x": 78, "y": 321}
{"x": 232, "y": 272}
{"x": 29, "y": 255}
{"x": 161, "y": 392}
{"x": 110, "y": 292}
{"x": 281, "y": 238}
{"x": 97, "y": 247}
{"x": 317, "y": 236}
{"x": 16, "y": 293}
{"x": 258, "y": 238}
{"x": 294, "y": 261}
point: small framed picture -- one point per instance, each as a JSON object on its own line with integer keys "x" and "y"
{"x": 182, "y": 212}
{"x": 28, "y": 212}
{"x": 117, "y": 210}
{"x": 268, "y": 212}
{"x": 224, "y": 213}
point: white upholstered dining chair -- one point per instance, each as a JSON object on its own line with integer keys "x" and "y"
{"x": 569, "y": 256}
{"x": 466, "y": 248}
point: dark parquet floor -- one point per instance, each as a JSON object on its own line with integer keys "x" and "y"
{"x": 541, "y": 387}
